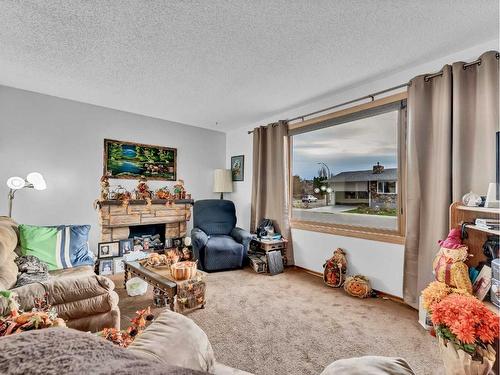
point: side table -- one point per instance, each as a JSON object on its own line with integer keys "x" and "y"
{"x": 268, "y": 255}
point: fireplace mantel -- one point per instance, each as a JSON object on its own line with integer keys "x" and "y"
{"x": 115, "y": 218}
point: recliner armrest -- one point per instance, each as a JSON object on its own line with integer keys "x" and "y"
{"x": 199, "y": 238}
{"x": 242, "y": 236}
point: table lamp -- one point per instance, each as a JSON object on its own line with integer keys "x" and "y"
{"x": 34, "y": 180}
{"x": 223, "y": 182}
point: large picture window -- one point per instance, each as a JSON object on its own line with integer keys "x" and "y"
{"x": 346, "y": 171}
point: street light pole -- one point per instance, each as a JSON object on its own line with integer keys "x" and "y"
{"x": 328, "y": 169}
{"x": 327, "y": 187}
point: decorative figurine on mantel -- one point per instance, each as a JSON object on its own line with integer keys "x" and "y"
{"x": 179, "y": 190}
{"x": 164, "y": 193}
{"x": 142, "y": 191}
{"x": 122, "y": 195}
{"x": 449, "y": 264}
{"x": 104, "y": 188}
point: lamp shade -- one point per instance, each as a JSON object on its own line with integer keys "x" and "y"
{"x": 223, "y": 181}
{"x": 16, "y": 183}
{"x": 37, "y": 180}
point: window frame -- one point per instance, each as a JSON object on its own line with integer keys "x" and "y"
{"x": 370, "y": 233}
{"x": 386, "y": 182}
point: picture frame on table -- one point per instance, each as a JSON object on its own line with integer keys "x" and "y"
{"x": 238, "y": 167}
{"x": 108, "y": 249}
{"x": 177, "y": 242}
{"x": 126, "y": 246}
{"x": 118, "y": 266}
{"x": 106, "y": 267}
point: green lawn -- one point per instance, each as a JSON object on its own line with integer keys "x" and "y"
{"x": 371, "y": 211}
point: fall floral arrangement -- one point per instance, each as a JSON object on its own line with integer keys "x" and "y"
{"x": 43, "y": 315}
{"x": 467, "y": 323}
{"x": 436, "y": 291}
{"x": 125, "y": 337}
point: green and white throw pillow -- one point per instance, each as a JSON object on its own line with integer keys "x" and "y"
{"x": 59, "y": 247}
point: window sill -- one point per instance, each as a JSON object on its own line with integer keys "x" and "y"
{"x": 372, "y": 234}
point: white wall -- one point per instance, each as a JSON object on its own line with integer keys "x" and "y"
{"x": 240, "y": 143}
{"x": 63, "y": 140}
{"x": 382, "y": 262}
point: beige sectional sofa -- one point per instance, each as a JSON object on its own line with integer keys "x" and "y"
{"x": 85, "y": 300}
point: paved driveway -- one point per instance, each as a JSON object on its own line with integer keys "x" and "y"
{"x": 337, "y": 215}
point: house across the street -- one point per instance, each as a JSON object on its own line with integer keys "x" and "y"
{"x": 373, "y": 187}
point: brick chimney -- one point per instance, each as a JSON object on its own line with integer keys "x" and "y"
{"x": 378, "y": 169}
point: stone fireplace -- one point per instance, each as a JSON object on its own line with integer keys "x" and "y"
{"x": 117, "y": 219}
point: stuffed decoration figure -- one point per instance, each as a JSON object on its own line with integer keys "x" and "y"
{"x": 358, "y": 286}
{"x": 335, "y": 269}
{"x": 143, "y": 191}
{"x": 104, "y": 188}
{"x": 179, "y": 190}
{"x": 449, "y": 264}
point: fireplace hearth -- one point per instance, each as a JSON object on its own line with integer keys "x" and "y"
{"x": 119, "y": 222}
{"x": 148, "y": 237}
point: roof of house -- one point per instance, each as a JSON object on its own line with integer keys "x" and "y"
{"x": 389, "y": 174}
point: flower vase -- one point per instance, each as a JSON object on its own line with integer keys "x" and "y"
{"x": 458, "y": 362}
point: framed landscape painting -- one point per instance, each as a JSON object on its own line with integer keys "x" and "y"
{"x": 133, "y": 160}
{"x": 238, "y": 167}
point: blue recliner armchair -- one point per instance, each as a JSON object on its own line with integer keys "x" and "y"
{"x": 217, "y": 243}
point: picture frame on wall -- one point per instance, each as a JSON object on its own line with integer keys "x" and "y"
{"x": 238, "y": 167}
{"x": 108, "y": 249}
{"x": 106, "y": 267}
{"x": 126, "y": 246}
{"x": 132, "y": 160}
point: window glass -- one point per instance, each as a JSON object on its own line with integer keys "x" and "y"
{"x": 348, "y": 173}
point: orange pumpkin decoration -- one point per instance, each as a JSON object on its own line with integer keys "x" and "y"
{"x": 358, "y": 286}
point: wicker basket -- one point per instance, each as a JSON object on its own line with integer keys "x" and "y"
{"x": 183, "y": 270}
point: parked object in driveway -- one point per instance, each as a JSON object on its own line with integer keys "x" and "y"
{"x": 309, "y": 198}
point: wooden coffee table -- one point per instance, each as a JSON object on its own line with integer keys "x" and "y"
{"x": 165, "y": 287}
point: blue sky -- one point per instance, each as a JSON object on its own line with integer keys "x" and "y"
{"x": 356, "y": 145}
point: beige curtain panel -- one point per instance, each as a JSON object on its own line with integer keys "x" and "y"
{"x": 270, "y": 183}
{"x": 452, "y": 120}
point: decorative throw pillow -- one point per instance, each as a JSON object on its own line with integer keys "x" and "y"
{"x": 175, "y": 340}
{"x": 63, "y": 246}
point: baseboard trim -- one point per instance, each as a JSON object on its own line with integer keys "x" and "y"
{"x": 381, "y": 294}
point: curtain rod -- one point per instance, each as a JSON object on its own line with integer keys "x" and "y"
{"x": 464, "y": 66}
{"x": 372, "y": 96}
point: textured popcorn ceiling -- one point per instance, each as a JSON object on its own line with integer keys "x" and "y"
{"x": 232, "y": 62}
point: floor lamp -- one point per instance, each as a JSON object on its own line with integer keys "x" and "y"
{"x": 34, "y": 180}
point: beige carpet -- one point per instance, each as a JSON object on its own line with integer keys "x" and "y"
{"x": 292, "y": 324}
